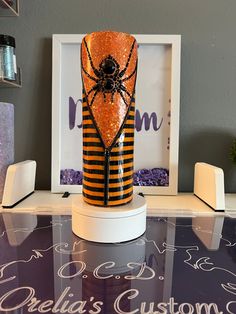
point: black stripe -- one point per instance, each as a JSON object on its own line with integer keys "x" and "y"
{"x": 130, "y": 117}
{"x": 120, "y": 171}
{"x": 113, "y": 198}
{"x": 101, "y": 190}
{"x": 87, "y": 117}
{"x": 121, "y": 188}
{"x": 132, "y": 108}
{"x": 112, "y": 162}
{"x": 92, "y": 144}
{"x": 92, "y": 153}
{"x": 123, "y": 179}
{"x": 120, "y": 197}
{"x": 85, "y": 108}
{"x": 120, "y": 144}
{"x": 92, "y": 135}
{"x": 93, "y": 188}
{"x": 93, "y": 171}
{"x": 88, "y": 126}
{"x": 84, "y": 99}
{"x": 129, "y": 126}
{"x": 119, "y": 180}
{"x": 93, "y": 180}
{"x": 93, "y": 162}
{"x": 129, "y": 134}
{"x": 122, "y": 153}
{"x": 113, "y": 154}
{"x": 99, "y": 171}
{"x": 93, "y": 197}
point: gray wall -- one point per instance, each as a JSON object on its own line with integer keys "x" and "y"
{"x": 208, "y": 80}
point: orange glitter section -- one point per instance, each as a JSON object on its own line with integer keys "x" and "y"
{"x": 109, "y": 111}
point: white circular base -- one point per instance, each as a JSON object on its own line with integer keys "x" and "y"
{"x": 109, "y": 224}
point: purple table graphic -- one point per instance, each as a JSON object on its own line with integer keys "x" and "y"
{"x": 178, "y": 266}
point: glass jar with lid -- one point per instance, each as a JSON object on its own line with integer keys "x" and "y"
{"x": 8, "y": 68}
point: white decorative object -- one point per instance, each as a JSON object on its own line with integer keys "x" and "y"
{"x": 106, "y": 224}
{"x": 209, "y": 185}
{"x": 157, "y": 112}
{"x": 20, "y": 182}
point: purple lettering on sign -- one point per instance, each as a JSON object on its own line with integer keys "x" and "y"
{"x": 141, "y": 121}
{"x": 147, "y": 121}
{"x": 72, "y": 112}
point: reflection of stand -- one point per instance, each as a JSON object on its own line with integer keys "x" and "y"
{"x": 109, "y": 224}
{"x": 107, "y": 266}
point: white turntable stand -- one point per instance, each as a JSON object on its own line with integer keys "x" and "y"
{"x": 109, "y": 224}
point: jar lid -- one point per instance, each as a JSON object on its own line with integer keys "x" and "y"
{"x": 7, "y": 40}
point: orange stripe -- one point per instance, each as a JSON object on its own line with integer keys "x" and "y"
{"x": 95, "y": 176}
{"x": 96, "y": 167}
{"x": 118, "y": 149}
{"x": 117, "y": 176}
{"x": 93, "y": 157}
{"x": 96, "y": 185}
{"x": 91, "y": 139}
{"x": 129, "y": 121}
{"x": 130, "y": 164}
{"x": 87, "y": 121}
{"x": 127, "y": 139}
{"x": 126, "y": 200}
{"x": 90, "y": 130}
{"x": 96, "y": 149}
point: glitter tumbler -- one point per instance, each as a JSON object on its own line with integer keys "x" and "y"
{"x": 109, "y": 68}
{"x": 6, "y": 141}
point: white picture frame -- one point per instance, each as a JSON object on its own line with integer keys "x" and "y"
{"x": 170, "y": 50}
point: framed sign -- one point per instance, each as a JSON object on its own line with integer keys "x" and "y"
{"x": 156, "y": 115}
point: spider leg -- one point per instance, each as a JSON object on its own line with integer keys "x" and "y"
{"x": 132, "y": 74}
{"x": 96, "y": 72}
{"x": 104, "y": 96}
{"x": 122, "y": 72}
{"x": 95, "y": 87}
{"x": 125, "y": 90}
{"x": 122, "y": 96}
{"x": 94, "y": 95}
{"x": 112, "y": 96}
{"x": 91, "y": 77}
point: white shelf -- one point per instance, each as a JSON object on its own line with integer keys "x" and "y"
{"x": 7, "y": 83}
{"x": 183, "y": 204}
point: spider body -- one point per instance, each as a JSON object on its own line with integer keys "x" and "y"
{"x": 109, "y": 78}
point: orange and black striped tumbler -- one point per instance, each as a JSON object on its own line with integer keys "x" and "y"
{"x": 109, "y": 69}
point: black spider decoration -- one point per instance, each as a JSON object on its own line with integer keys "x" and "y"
{"x": 109, "y": 77}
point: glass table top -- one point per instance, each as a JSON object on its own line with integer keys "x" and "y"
{"x": 180, "y": 265}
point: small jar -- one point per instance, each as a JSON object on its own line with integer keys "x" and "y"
{"x": 8, "y": 67}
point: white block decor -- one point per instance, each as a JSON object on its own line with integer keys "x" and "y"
{"x": 20, "y": 182}
{"x": 209, "y": 185}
